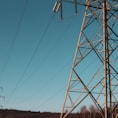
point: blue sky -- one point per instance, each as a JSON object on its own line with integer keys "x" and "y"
{"x": 36, "y": 50}
{"x": 36, "y": 54}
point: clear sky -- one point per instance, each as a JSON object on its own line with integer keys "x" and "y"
{"x": 36, "y": 53}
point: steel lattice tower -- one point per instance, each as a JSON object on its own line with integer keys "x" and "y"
{"x": 98, "y": 40}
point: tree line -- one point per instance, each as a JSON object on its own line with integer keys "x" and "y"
{"x": 92, "y": 112}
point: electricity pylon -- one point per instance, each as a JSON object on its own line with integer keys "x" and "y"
{"x": 3, "y": 97}
{"x": 97, "y": 55}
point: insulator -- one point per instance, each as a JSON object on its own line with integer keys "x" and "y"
{"x": 55, "y": 6}
{"x": 58, "y": 6}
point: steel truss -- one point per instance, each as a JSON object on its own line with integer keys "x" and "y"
{"x": 94, "y": 72}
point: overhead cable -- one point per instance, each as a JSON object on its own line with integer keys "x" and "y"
{"x": 31, "y": 59}
{"x": 14, "y": 40}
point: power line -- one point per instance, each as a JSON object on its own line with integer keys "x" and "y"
{"x": 14, "y": 39}
{"x": 49, "y": 53}
{"x": 47, "y": 86}
{"x": 31, "y": 59}
{"x": 54, "y": 77}
{"x": 51, "y": 97}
